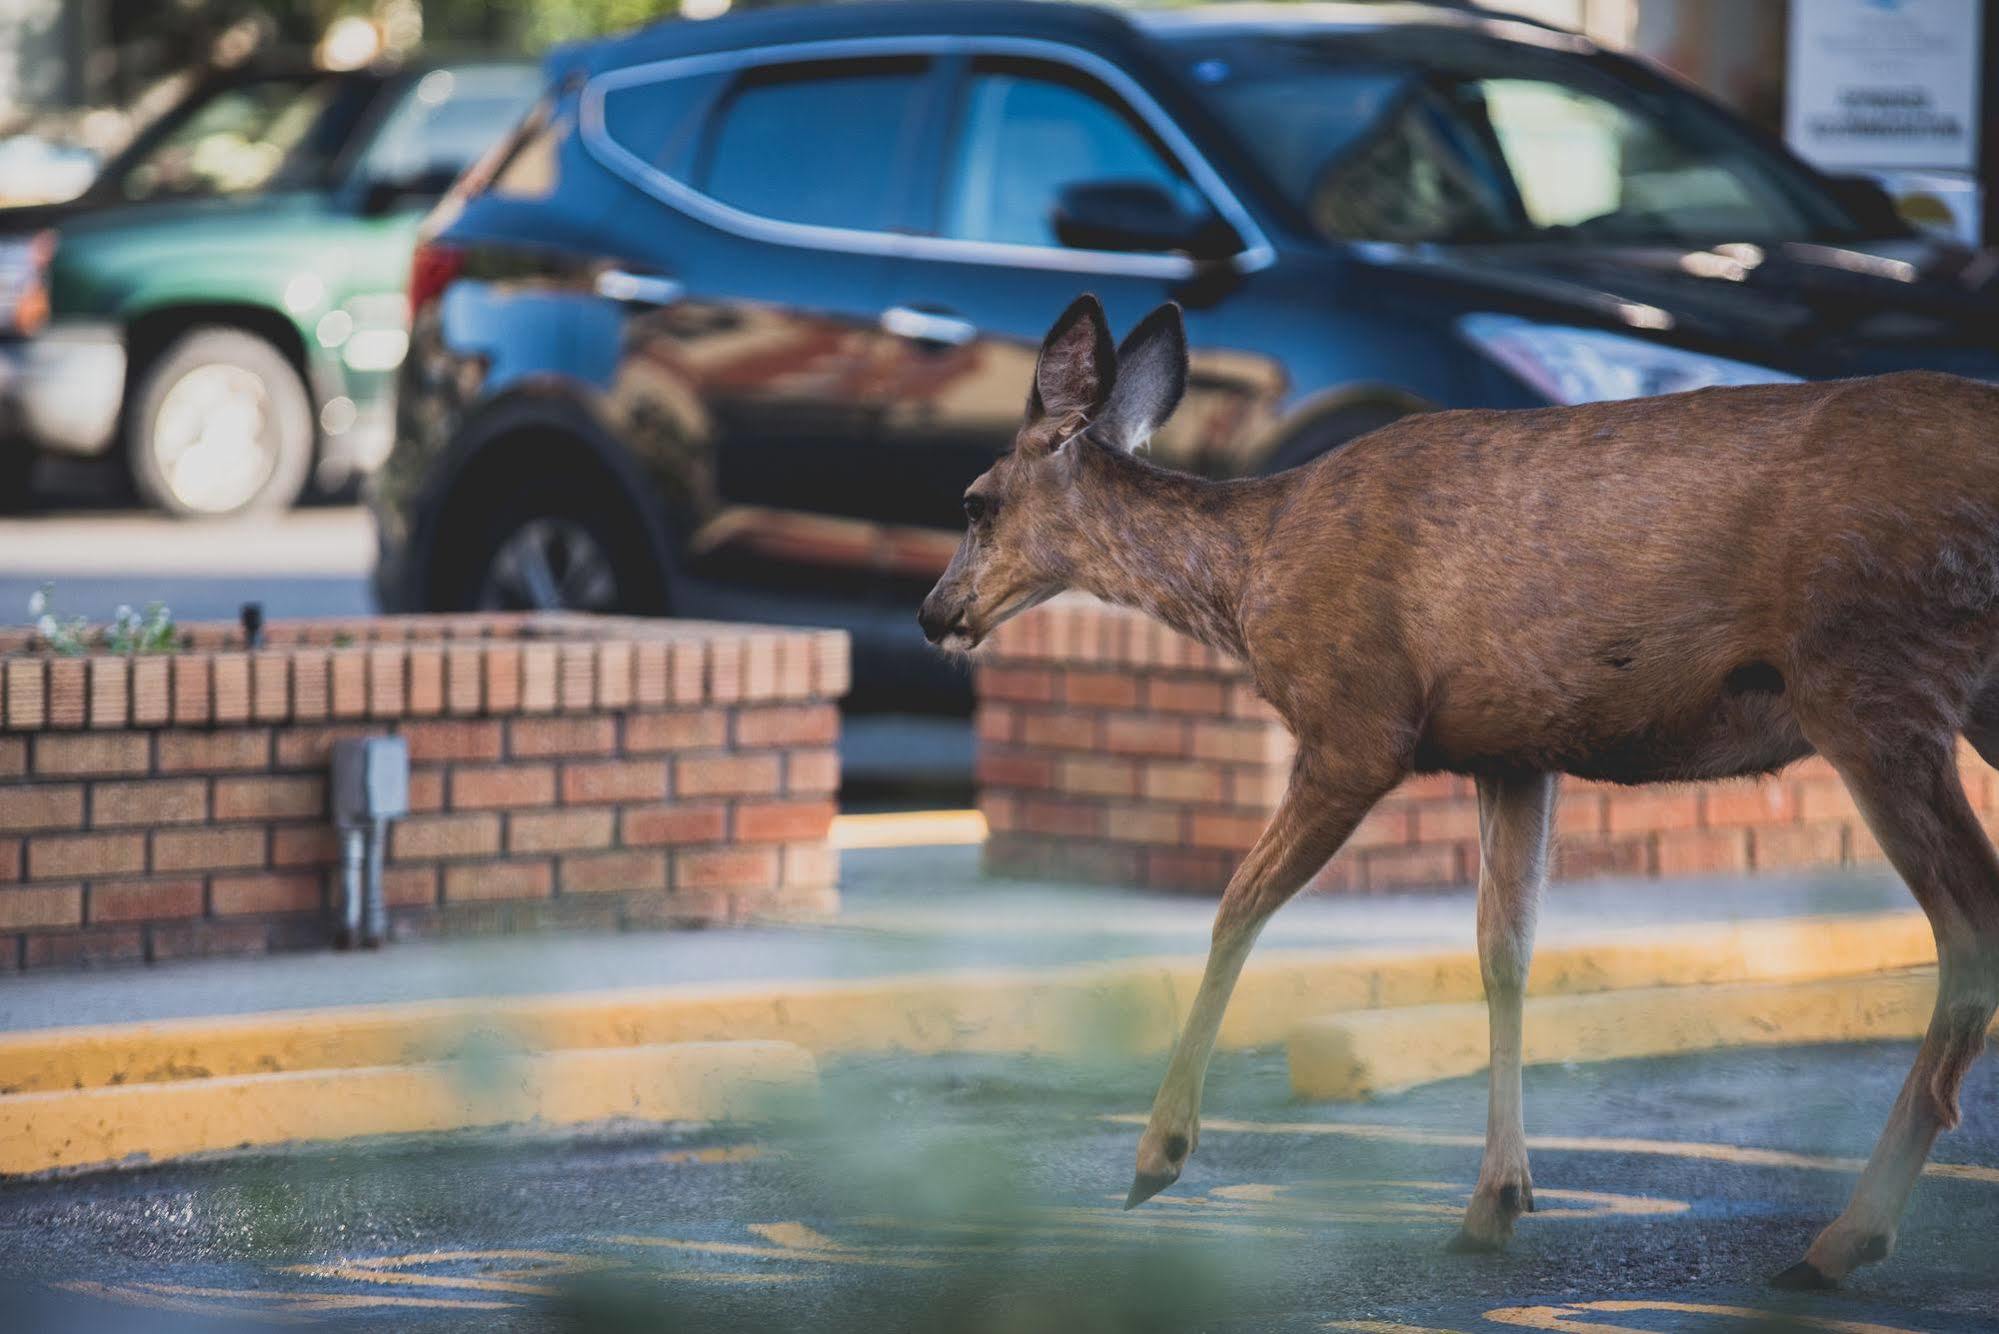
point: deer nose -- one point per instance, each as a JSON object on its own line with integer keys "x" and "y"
{"x": 936, "y": 622}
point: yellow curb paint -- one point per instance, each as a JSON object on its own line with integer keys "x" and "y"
{"x": 1132, "y": 1007}
{"x": 1661, "y": 1148}
{"x": 92, "y": 1127}
{"x": 1572, "y": 1319}
{"x": 909, "y": 829}
{"x": 1347, "y": 1057}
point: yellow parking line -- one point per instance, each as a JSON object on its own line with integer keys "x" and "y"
{"x": 909, "y": 829}
{"x": 1665, "y": 1148}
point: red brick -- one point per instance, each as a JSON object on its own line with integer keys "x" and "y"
{"x": 388, "y": 687}
{"x": 69, "y": 692}
{"x": 272, "y": 797}
{"x": 576, "y": 689}
{"x": 503, "y": 678}
{"x": 11, "y": 857}
{"x": 27, "y": 693}
{"x": 725, "y": 670}
{"x": 70, "y": 949}
{"x": 1417, "y": 867}
{"x": 1000, "y": 809}
{"x": 788, "y": 725}
{"x": 1444, "y": 821}
{"x": 293, "y": 891}
{"x": 726, "y": 775}
{"x": 650, "y": 684}
{"x": 1100, "y": 690}
{"x": 13, "y": 756}
{"x": 154, "y": 801}
{"x": 212, "y": 849}
{"x": 469, "y": 881}
{"x": 234, "y": 748}
{"x": 1385, "y": 826}
{"x": 811, "y": 771}
{"x": 648, "y": 826}
{"x": 540, "y": 667}
{"x": 596, "y": 734}
{"x": 1241, "y": 742}
{"x": 80, "y": 856}
{"x": 1753, "y": 803}
{"x": 1051, "y": 730}
{"x": 687, "y": 673}
{"x": 231, "y": 674}
{"x": 502, "y": 786}
{"x": 1023, "y": 685}
{"x": 1185, "y": 695}
{"x": 996, "y": 722}
{"x": 1068, "y": 818}
{"x": 1224, "y": 829}
{"x": 1166, "y": 781}
{"x": 1637, "y": 810}
{"x": 1579, "y": 812}
{"x": 760, "y": 656}
{"x": 725, "y": 868}
{"x": 1861, "y": 846}
{"x": 270, "y": 686}
{"x": 312, "y": 747}
{"x": 463, "y": 686}
{"x": 1257, "y": 787}
{"x": 832, "y": 663}
{"x": 409, "y": 886}
{"x": 145, "y": 900}
{"x": 613, "y": 872}
{"x": 1207, "y": 872}
{"x": 560, "y": 830}
{"x": 1144, "y": 824}
{"x": 426, "y": 682}
{"x": 41, "y": 806}
{"x": 679, "y": 729}
{"x": 425, "y": 836}
{"x": 455, "y": 739}
{"x": 27, "y": 908}
{"x": 1244, "y": 702}
{"x": 1824, "y": 799}
{"x": 110, "y": 692}
{"x": 1138, "y": 734}
{"x": 783, "y": 821}
{"x": 614, "y": 675}
{"x": 1701, "y": 851}
{"x": 1012, "y": 769}
{"x": 1093, "y": 776}
{"x": 614, "y": 780}
{"x": 312, "y": 686}
{"x": 305, "y": 845}
{"x": 1777, "y": 847}
{"x": 79, "y": 756}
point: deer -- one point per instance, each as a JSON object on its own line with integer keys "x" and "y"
{"x": 1699, "y": 586}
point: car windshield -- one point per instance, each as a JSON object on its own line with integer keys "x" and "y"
{"x": 1440, "y": 136}
{"x": 242, "y": 137}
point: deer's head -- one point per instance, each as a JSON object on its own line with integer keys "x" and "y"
{"x": 1023, "y": 514}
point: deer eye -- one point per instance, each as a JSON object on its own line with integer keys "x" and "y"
{"x": 977, "y": 508}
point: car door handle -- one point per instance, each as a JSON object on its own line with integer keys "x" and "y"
{"x": 926, "y": 326}
{"x": 639, "y": 289}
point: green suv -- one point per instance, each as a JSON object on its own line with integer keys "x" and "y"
{"x": 226, "y": 303}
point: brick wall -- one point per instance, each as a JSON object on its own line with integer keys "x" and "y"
{"x": 1112, "y": 749}
{"x": 565, "y": 771}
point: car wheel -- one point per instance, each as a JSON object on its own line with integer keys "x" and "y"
{"x": 1331, "y": 432}
{"x": 220, "y": 423}
{"x": 560, "y": 551}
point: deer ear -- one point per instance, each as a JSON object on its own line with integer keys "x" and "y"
{"x": 1152, "y": 375}
{"x": 1077, "y": 363}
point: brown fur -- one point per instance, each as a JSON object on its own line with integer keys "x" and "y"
{"x": 1693, "y": 587}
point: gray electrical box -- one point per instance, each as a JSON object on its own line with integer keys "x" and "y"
{"x": 371, "y": 780}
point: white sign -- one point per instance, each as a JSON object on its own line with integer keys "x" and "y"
{"x": 1884, "y": 83}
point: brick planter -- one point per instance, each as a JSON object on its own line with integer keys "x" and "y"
{"x": 565, "y": 771}
{"x": 1113, "y": 750}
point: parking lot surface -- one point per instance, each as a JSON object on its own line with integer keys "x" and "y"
{"x": 983, "y": 1195}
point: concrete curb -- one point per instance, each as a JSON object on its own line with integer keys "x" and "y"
{"x": 1349, "y": 1057}
{"x": 101, "y": 1095}
{"x": 134, "y": 1123}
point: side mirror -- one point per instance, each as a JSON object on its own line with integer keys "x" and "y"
{"x": 1135, "y": 215}
{"x": 418, "y": 188}
{"x": 1870, "y": 204}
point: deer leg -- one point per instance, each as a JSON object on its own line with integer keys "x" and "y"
{"x": 1513, "y": 818}
{"x": 1913, "y": 801}
{"x": 1317, "y": 813}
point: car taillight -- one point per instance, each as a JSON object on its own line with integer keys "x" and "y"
{"x": 432, "y": 269}
{"x": 24, "y": 282}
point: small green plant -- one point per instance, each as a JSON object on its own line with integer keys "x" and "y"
{"x": 150, "y": 631}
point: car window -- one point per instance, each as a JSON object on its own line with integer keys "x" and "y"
{"x": 659, "y": 121}
{"x": 447, "y": 120}
{"x": 240, "y": 138}
{"x": 814, "y": 143}
{"x": 1025, "y": 132}
{"x": 1379, "y": 137}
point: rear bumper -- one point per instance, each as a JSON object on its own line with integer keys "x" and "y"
{"x": 63, "y": 389}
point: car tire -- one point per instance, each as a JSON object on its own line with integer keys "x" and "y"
{"x": 553, "y": 545}
{"x": 220, "y": 423}
{"x": 1331, "y": 432}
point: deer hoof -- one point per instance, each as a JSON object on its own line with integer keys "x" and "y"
{"x": 1803, "y": 1276}
{"x": 1145, "y": 1185}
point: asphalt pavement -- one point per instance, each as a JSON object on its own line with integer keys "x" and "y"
{"x": 982, "y": 1195}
